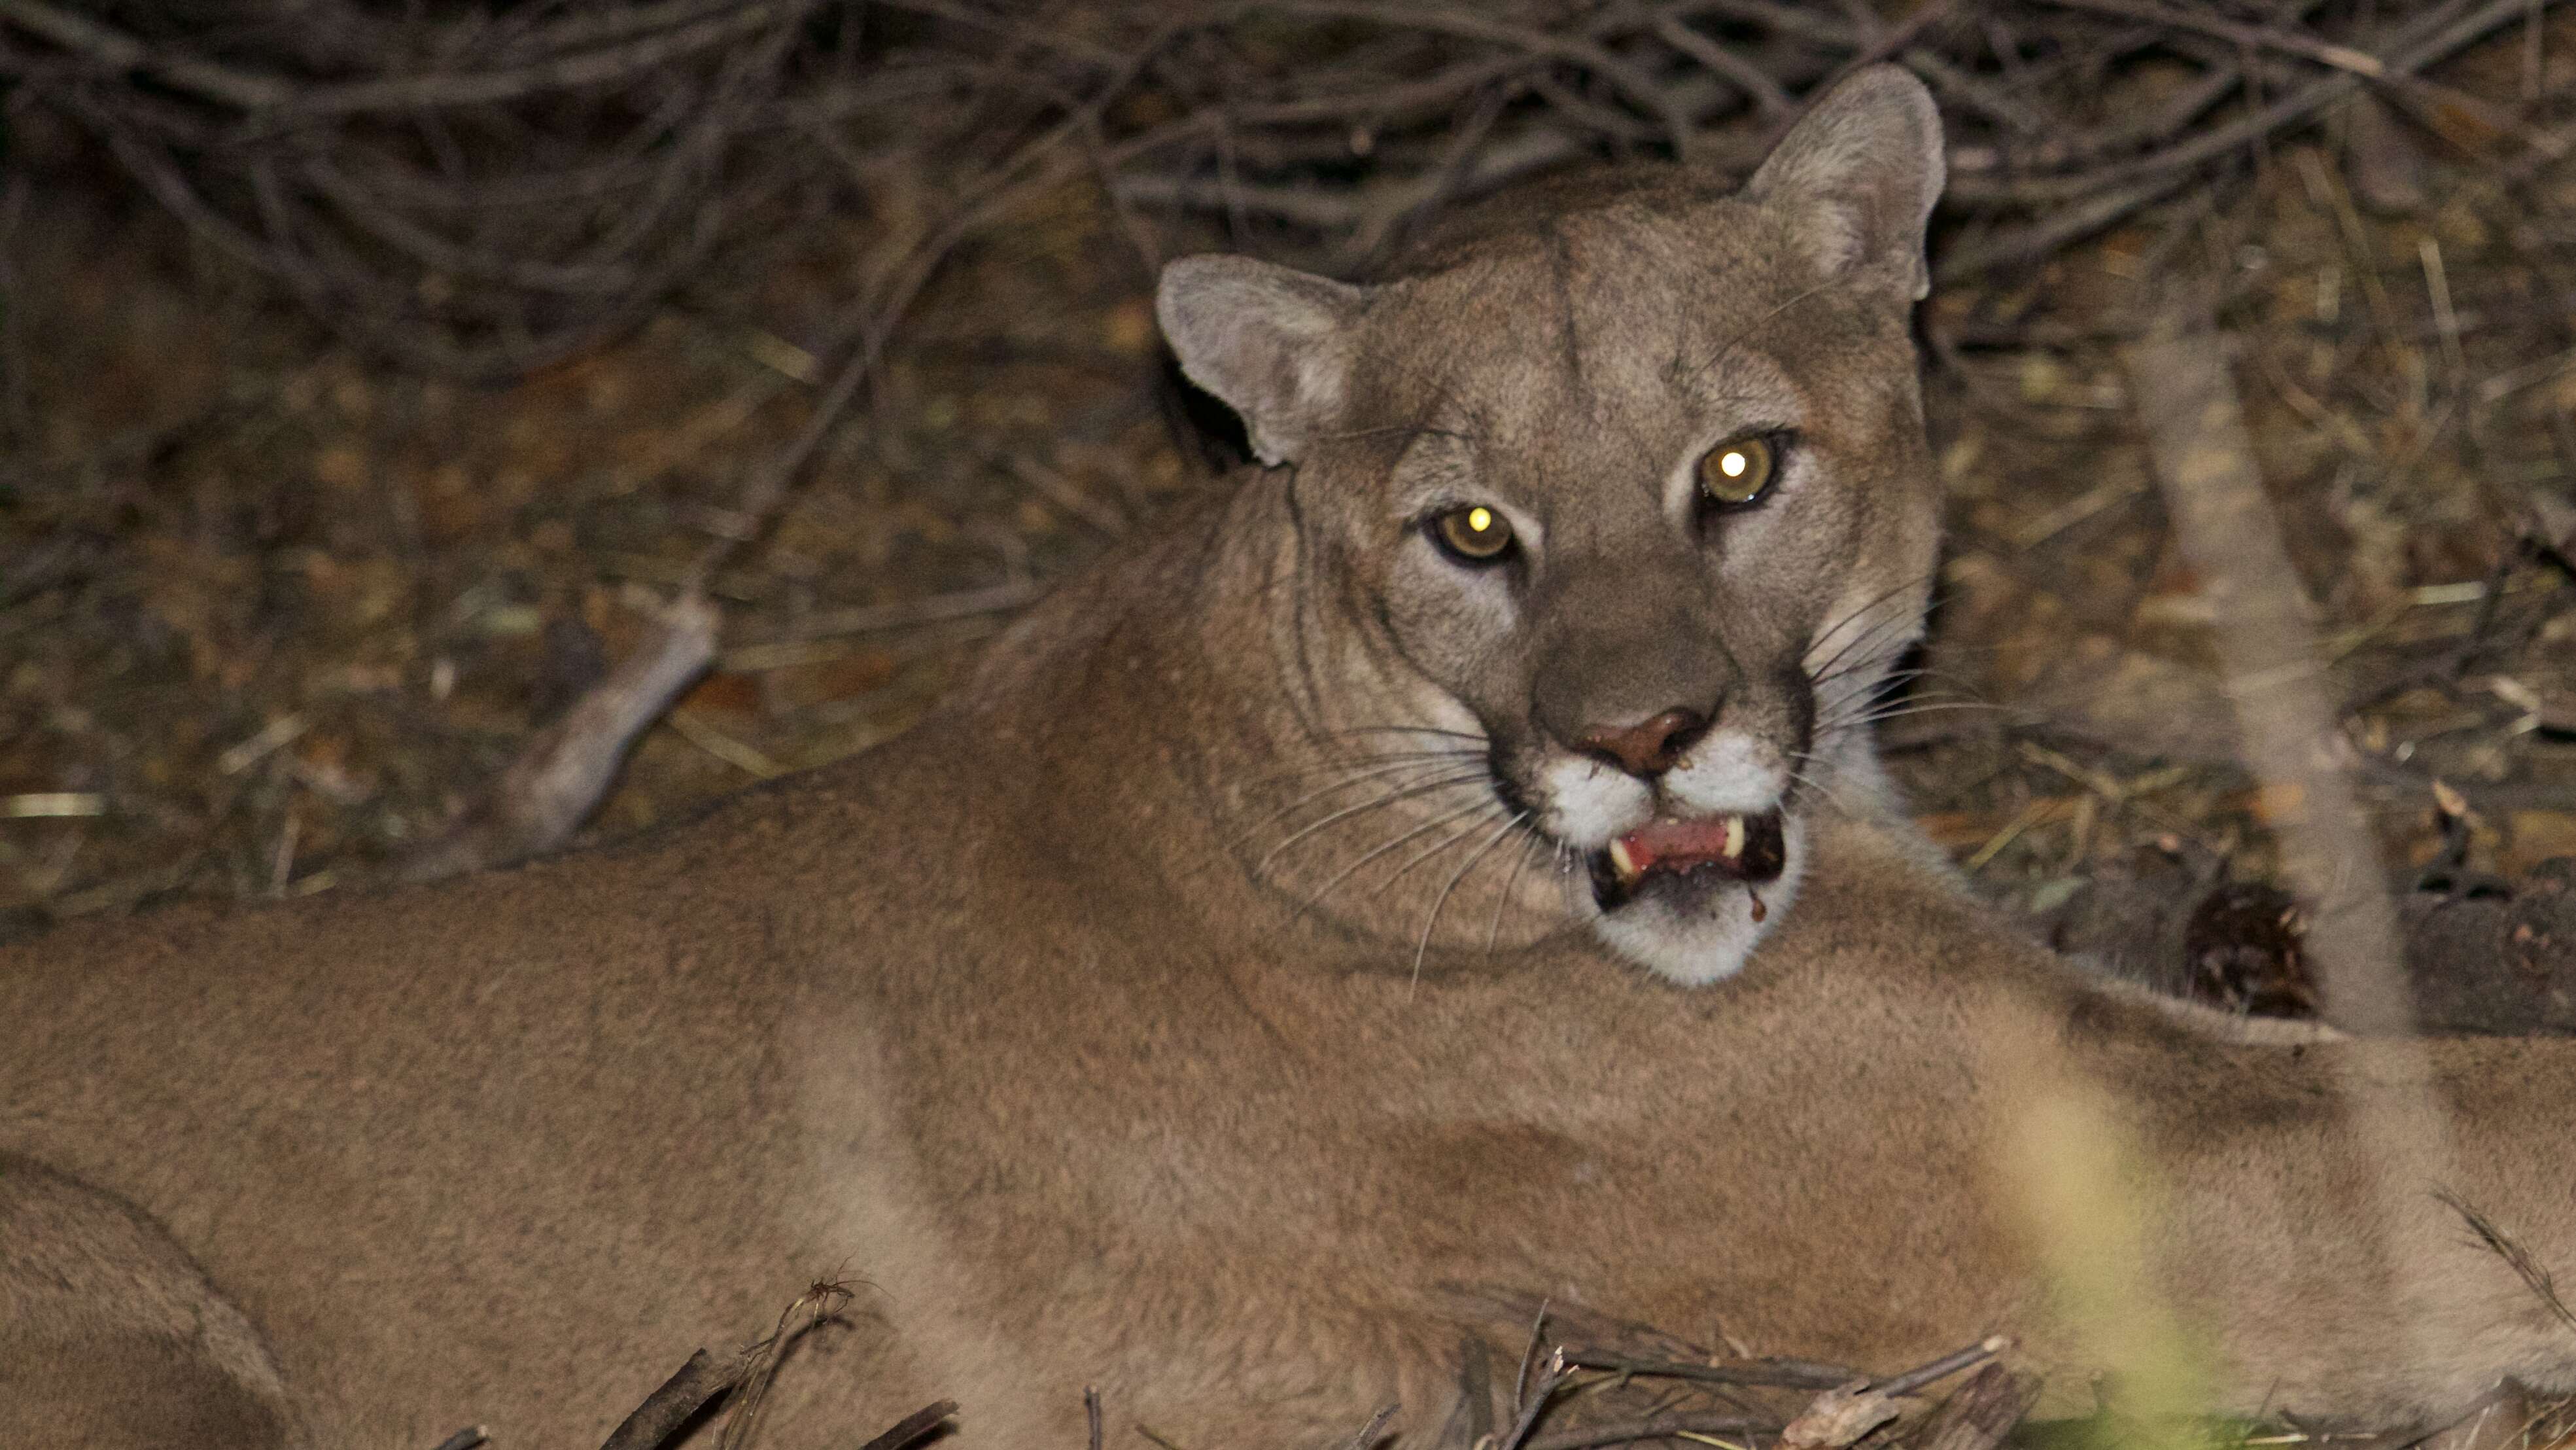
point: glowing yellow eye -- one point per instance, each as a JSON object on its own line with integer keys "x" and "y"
{"x": 1738, "y": 471}
{"x": 1475, "y": 533}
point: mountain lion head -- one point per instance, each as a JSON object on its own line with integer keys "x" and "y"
{"x": 1611, "y": 512}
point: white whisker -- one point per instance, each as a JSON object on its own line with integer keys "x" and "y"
{"x": 1529, "y": 852}
{"x": 1423, "y": 946}
{"x": 1406, "y": 793}
{"x": 1435, "y": 823}
{"x": 1425, "y": 854}
{"x": 1356, "y": 777}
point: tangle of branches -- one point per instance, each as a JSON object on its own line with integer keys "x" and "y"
{"x": 480, "y": 187}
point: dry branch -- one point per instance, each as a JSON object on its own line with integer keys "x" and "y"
{"x": 560, "y": 776}
{"x": 2270, "y": 658}
{"x": 1837, "y": 1418}
{"x": 1980, "y": 1413}
{"x": 914, "y": 1426}
{"x": 685, "y": 1393}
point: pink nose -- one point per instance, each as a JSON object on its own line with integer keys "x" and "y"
{"x": 1648, "y": 748}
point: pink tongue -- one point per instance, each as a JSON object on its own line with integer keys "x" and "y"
{"x": 1658, "y": 841}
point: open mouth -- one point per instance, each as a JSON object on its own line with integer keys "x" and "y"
{"x": 1688, "y": 860}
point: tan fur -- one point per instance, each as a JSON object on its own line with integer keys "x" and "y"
{"x": 110, "y": 1338}
{"x": 1010, "y": 1024}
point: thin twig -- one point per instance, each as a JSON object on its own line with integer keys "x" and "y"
{"x": 17, "y": 412}
{"x": 1376, "y": 1426}
{"x": 1944, "y": 1367}
{"x": 2510, "y": 1249}
{"x": 758, "y": 1366}
{"x": 1529, "y": 1353}
{"x": 914, "y": 1426}
{"x": 1793, "y": 1376}
{"x": 1667, "y": 1427}
{"x": 911, "y": 613}
{"x": 1536, "y": 1404}
{"x": 115, "y": 50}
{"x": 2261, "y": 37}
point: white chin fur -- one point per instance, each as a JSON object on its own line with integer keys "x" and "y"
{"x": 1710, "y": 944}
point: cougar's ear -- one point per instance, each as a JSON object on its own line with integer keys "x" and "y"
{"x": 1274, "y": 343}
{"x": 1863, "y": 167}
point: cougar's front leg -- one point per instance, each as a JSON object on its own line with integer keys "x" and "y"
{"x": 111, "y": 1337}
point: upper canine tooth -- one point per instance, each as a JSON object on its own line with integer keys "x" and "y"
{"x": 1622, "y": 862}
{"x": 1735, "y": 835}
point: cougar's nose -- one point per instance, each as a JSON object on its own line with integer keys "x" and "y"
{"x": 1648, "y": 748}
